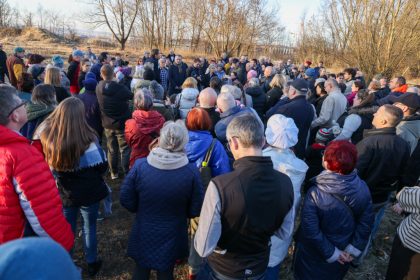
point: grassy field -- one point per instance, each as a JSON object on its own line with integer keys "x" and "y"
{"x": 113, "y": 235}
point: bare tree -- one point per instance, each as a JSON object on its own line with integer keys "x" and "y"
{"x": 5, "y": 13}
{"x": 378, "y": 36}
{"x": 118, "y": 15}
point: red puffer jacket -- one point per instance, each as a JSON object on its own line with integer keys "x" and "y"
{"x": 141, "y": 130}
{"x": 28, "y": 193}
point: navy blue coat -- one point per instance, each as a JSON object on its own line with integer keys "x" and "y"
{"x": 327, "y": 224}
{"x": 302, "y": 112}
{"x": 163, "y": 201}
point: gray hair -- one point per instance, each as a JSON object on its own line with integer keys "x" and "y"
{"x": 225, "y": 101}
{"x": 156, "y": 90}
{"x": 143, "y": 99}
{"x": 254, "y": 82}
{"x": 333, "y": 83}
{"x": 139, "y": 73}
{"x": 162, "y": 59}
{"x": 44, "y": 94}
{"x": 248, "y": 130}
{"x": 8, "y": 101}
{"x": 227, "y": 89}
{"x": 149, "y": 65}
{"x": 173, "y": 136}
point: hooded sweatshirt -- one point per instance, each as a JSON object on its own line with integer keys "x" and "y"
{"x": 141, "y": 130}
{"x": 37, "y": 113}
{"x": 186, "y": 100}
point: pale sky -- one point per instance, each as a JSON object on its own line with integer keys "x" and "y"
{"x": 290, "y": 10}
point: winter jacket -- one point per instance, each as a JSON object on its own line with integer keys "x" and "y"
{"x": 258, "y": 100}
{"x": 156, "y": 70}
{"x": 411, "y": 174}
{"x": 169, "y": 112}
{"x": 336, "y": 216}
{"x": 3, "y": 64}
{"x": 177, "y": 75}
{"x": 163, "y": 200}
{"x": 92, "y": 111}
{"x": 113, "y": 101}
{"x": 302, "y": 113}
{"x": 409, "y": 130}
{"x": 214, "y": 116}
{"x": 186, "y": 100}
{"x": 140, "y": 131}
{"x": 73, "y": 75}
{"x": 196, "y": 73}
{"x": 16, "y": 68}
{"x": 227, "y": 117}
{"x": 96, "y": 69}
{"x": 313, "y": 158}
{"x": 355, "y": 122}
{"x": 29, "y": 199}
{"x": 61, "y": 93}
{"x": 382, "y": 158}
{"x": 84, "y": 185}
{"x": 318, "y": 103}
{"x": 332, "y": 108}
{"x": 37, "y": 113}
{"x": 197, "y": 147}
{"x": 286, "y": 162}
{"x": 389, "y": 99}
{"x": 273, "y": 95}
{"x": 81, "y": 79}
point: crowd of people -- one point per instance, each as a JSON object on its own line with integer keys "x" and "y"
{"x": 226, "y": 163}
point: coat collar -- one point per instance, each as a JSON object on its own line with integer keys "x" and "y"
{"x": 380, "y": 131}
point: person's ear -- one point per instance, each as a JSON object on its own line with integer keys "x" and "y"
{"x": 235, "y": 143}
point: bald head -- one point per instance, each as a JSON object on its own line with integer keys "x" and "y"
{"x": 207, "y": 98}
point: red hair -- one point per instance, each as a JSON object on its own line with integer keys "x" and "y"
{"x": 341, "y": 156}
{"x": 198, "y": 119}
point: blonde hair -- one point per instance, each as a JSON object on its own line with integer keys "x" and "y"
{"x": 190, "y": 82}
{"x": 66, "y": 135}
{"x": 52, "y": 76}
{"x": 278, "y": 81}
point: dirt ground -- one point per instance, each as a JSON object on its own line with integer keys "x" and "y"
{"x": 113, "y": 236}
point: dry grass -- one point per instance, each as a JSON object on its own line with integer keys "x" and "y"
{"x": 113, "y": 236}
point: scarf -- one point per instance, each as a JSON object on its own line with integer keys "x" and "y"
{"x": 402, "y": 88}
{"x": 166, "y": 160}
{"x": 38, "y": 110}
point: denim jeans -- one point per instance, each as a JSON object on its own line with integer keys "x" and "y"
{"x": 115, "y": 142}
{"x": 207, "y": 273}
{"x": 272, "y": 273}
{"x": 379, "y": 211}
{"x": 194, "y": 260}
{"x": 89, "y": 215}
{"x": 107, "y": 202}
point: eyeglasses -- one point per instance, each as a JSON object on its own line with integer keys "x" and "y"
{"x": 18, "y": 106}
{"x": 228, "y": 143}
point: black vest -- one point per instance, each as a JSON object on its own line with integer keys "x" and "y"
{"x": 366, "y": 118}
{"x": 254, "y": 198}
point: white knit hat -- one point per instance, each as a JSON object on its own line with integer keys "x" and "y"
{"x": 281, "y": 132}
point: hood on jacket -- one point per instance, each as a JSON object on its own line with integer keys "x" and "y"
{"x": 344, "y": 185}
{"x": 148, "y": 121}
{"x": 368, "y": 110}
{"x": 166, "y": 160}
{"x": 189, "y": 94}
{"x": 198, "y": 144}
{"x": 38, "y": 110}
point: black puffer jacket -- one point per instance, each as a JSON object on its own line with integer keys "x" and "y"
{"x": 258, "y": 99}
{"x": 273, "y": 96}
{"x": 382, "y": 159}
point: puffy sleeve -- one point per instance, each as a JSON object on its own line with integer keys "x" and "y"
{"x": 219, "y": 161}
{"x": 128, "y": 194}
